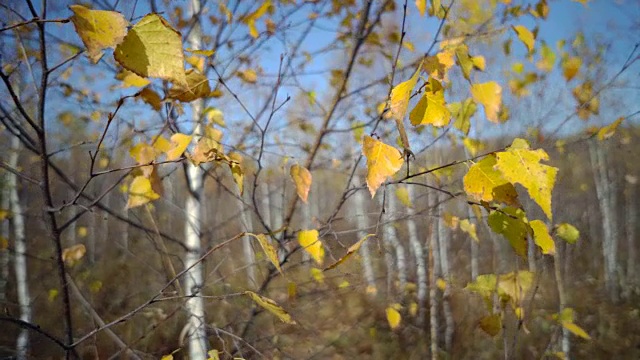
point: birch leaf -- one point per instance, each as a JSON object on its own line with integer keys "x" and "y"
{"x": 491, "y": 324}
{"x": 98, "y": 29}
{"x": 151, "y": 97}
{"x": 393, "y": 317}
{"x": 510, "y": 223}
{"x": 251, "y": 19}
{"x": 568, "y": 233}
{"x": 302, "y": 179}
{"x": 152, "y": 48}
{"x": 576, "y": 330}
{"x": 271, "y": 306}
{"x": 400, "y": 95}
{"x": 208, "y": 147}
{"x": 542, "y": 238}
{"x": 422, "y": 6}
{"x": 73, "y": 254}
{"x": 214, "y": 116}
{"x": 383, "y": 161}
{"x": 144, "y": 154}
{"x": 197, "y": 87}
{"x": 269, "y": 250}
{"x": 607, "y": 131}
{"x": 570, "y": 67}
{"x": 130, "y": 79}
{"x": 484, "y": 183}
{"x": 309, "y": 241}
{"x": 526, "y": 36}
{"x": 249, "y": 76}
{"x": 519, "y": 164}
{"x": 140, "y": 192}
{"x": 179, "y": 143}
{"x": 402, "y": 193}
{"x": 470, "y": 228}
{"x": 431, "y": 109}
{"x": 462, "y": 113}
{"x": 352, "y": 249}
{"x": 488, "y": 94}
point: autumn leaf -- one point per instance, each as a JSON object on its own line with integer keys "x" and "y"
{"x": 588, "y": 103}
{"x": 520, "y": 164}
{"x": 488, "y": 94}
{"x": 350, "y": 251}
{"x": 269, "y": 250}
{"x": 208, "y": 147}
{"x": 271, "y": 306}
{"x": 510, "y": 223}
{"x": 470, "y": 228}
{"x": 251, "y": 19}
{"x": 542, "y": 238}
{"x": 249, "y": 76}
{"x": 568, "y": 233}
{"x": 485, "y": 183}
{"x": 526, "y": 36}
{"x": 73, "y": 254}
{"x": 179, "y": 143}
{"x": 152, "y": 48}
{"x": 399, "y": 100}
{"x": 393, "y": 317}
{"x": 402, "y": 193}
{"x": 308, "y": 240}
{"x": 151, "y": 97}
{"x": 130, "y": 79}
{"x": 383, "y": 161}
{"x": 462, "y": 113}
{"x": 607, "y": 131}
{"x": 570, "y": 67}
{"x": 491, "y": 324}
{"x": 431, "y": 109}
{"x": 302, "y": 179}
{"x": 214, "y": 116}
{"x": 422, "y": 6}
{"x": 140, "y": 192}
{"x": 98, "y": 29}
{"x": 144, "y": 154}
{"x": 197, "y": 87}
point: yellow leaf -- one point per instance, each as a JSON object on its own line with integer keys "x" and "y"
{"x": 488, "y": 94}
{"x": 352, "y": 249}
{"x": 393, "y": 317}
{"x": 271, "y": 306}
{"x": 161, "y": 144}
{"x": 519, "y": 164}
{"x": 292, "y": 290}
{"x": 52, "y": 294}
{"x": 208, "y": 147}
{"x": 451, "y": 221}
{"x": 441, "y": 284}
{"x": 130, "y": 79}
{"x": 576, "y": 330}
{"x": 214, "y": 116}
{"x": 302, "y": 179}
{"x": 206, "y": 53}
{"x": 309, "y": 241}
{"x": 317, "y": 275}
{"x": 473, "y": 146}
{"x": 462, "y": 113}
{"x": 484, "y": 183}
{"x": 568, "y": 233}
{"x": 179, "y": 143}
{"x": 343, "y": 284}
{"x": 269, "y": 250}
{"x": 140, "y": 192}
{"x": 383, "y": 161}
{"x": 152, "y": 48}
{"x": 98, "y": 29}
{"x": 422, "y": 6}
{"x": 542, "y": 238}
{"x": 248, "y": 76}
{"x": 250, "y": 20}
{"x": 607, "y": 131}
{"x": 82, "y": 231}
{"x": 526, "y": 36}
{"x": 400, "y": 95}
{"x": 548, "y": 59}
{"x": 470, "y": 228}
{"x": 570, "y": 67}
{"x": 197, "y": 87}
{"x": 491, "y": 324}
{"x": 196, "y": 62}
{"x": 213, "y": 355}
{"x": 402, "y": 193}
{"x": 72, "y": 255}
{"x": 431, "y": 109}
{"x": 588, "y": 102}
{"x": 238, "y": 175}
{"x": 478, "y": 62}
{"x": 152, "y": 98}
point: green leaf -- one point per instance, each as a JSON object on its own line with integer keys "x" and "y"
{"x": 542, "y": 238}
{"x": 568, "y": 233}
{"x": 519, "y": 164}
{"x": 491, "y": 324}
{"x": 511, "y": 223}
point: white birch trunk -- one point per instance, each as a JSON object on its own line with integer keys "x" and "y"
{"x": 474, "y": 248}
{"x": 20, "y": 261}
{"x": 265, "y": 203}
{"x": 605, "y": 194}
{"x": 391, "y": 237}
{"x": 557, "y": 262}
{"x": 247, "y": 249}
{"x": 197, "y": 338}
{"x": 4, "y": 236}
{"x": 631, "y": 211}
{"x": 421, "y": 267}
{"x": 443, "y": 247}
{"x": 434, "y": 264}
{"x": 362, "y": 221}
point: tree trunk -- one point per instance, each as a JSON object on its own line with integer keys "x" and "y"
{"x": 434, "y": 264}
{"x": 421, "y": 268}
{"x": 443, "y": 247}
{"x": 4, "y": 237}
{"x": 631, "y": 211}
{"x": 362, "y": 221}
{"x": 474, "y": 248}
{"x": 247, "y": 249}
{"x": 557, "y": 262}
{"x": 391, "y": 238}
{"x": 20, "y": 262}
{"x": 197, "y": 339}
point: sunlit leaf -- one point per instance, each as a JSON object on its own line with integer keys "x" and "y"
{"x": 489, "y": 95}
{"x": 98, "y": 29}
{"x": 570, "y": 67}
{"x": 179, "y": 143}
{"x": 352, "y": 249}
{"x": 308, "y": 240}
{"x": 140, "y": 192}
{"x": 130, "y": 79}
{"x": 249, "y": 76}
{"x": 383, "y": 161}
{"x": 608, "y": 131}
{"x": 422, "y": 6}
{"x": 400, "y": 95}
{"x": 431, "y": 109}
{"x": 208, "y": 147}
{"x": 214, "y": 116}
{"x": 484, "y": 183}
{"x": 526, "y": 36}
{"x": 393, "y": 317}
{"x": 576, "y": 330}
{"x": 269, "y": 250}
{"x": 271, "y": 306}
{"x": 470, "y": 228}
{"x": 302, "y": 179}
{"x": 197, "y": 87}
{"x": 568, "y": 233}
{"x": 73, "y": 254}
{"x": 152, "y": 48}
{"x": 520, "y": 164}
{"x": 462, "y": 113}
{"x": 542, "y": 238}
{"x": 250, "y": 20}
{"x": 213, "y": 355}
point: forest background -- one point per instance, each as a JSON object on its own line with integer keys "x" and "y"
{"x": 319, "y": 179}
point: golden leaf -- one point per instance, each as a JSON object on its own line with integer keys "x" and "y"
{"x": 526, "y": 36}
{"x": 383, "y": 161}
{"x": 140, "y": 192}
{"x": 308, "y": 240}
{"x": 542, "y": 238}
{"x": 271, "y": 306}
{"x": 98, "y": 29}
{"x": 393, "y": 317}
{"x": 302, "y": 179}
{"x": 269, "y": 250}
{"x": 197, "y": 87}
{"x": 352, "y": 249}
{"x": 488, "y": 94}
{"x": 400, "y": 95}
{"x": 179, "y": 143}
